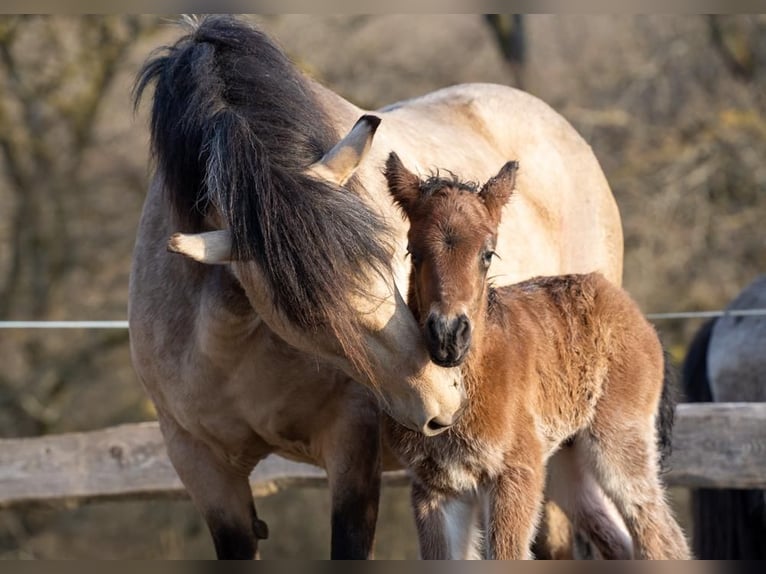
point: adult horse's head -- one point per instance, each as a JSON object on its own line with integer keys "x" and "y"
{"x": 260, "y": 181}
{"x": 452, "y": 237}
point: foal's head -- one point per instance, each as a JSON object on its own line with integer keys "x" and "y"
{"x": 452, "y": 237}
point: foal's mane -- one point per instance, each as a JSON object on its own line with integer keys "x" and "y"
{"x": 437, "y": 182}
{"x": 234, "y": 127}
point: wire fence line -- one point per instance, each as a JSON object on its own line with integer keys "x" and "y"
{"x": 706, "y": 314}
{"x": 673, "y": 315}
{"x": 63, "y": 324}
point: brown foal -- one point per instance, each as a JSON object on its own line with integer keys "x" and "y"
{"x": 552, "y": 361}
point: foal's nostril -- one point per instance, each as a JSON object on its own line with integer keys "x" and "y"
{"x": 432, "y": 328}
{"x": 462, "y": 330}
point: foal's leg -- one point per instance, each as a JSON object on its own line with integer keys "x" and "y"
{"x": 572, "y": 485}
{"x": 220, "y": 492}
{"x": 554, "y": 539}
{"x": 447, "y": 526}
{"x": 515, "y": 501}
{"x": 461, "y": 517}
{"x": 351, "y": 450}
{"x": 625, "y": 460}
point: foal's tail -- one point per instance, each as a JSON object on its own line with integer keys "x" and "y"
{"x": 696, "y": 388}
{"x": 728, "y": 524}
{"x": 696, "y": 384}
{"x": 666, "y": 412}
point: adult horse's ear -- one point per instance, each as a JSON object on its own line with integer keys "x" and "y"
{"x": 339, "y": 164}
{"x": 499, "y": 189}
{"x": 403, "y": 185}
{"x": 211, "y": 247}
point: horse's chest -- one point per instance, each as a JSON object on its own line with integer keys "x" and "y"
{"x": 452, "y": 464}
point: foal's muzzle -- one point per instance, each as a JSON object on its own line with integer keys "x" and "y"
{"x": 448, "y": 339}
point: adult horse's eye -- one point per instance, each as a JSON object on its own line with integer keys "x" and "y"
{"x": 414, "y": 258}
{"x": 486, "y": 258}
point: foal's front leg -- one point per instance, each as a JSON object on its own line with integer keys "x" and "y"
{"x": 429, "y": 521}
{"x": 515, "y": 500}
{"x": 447, "y": 526}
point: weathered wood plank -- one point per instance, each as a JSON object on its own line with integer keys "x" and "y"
{"x": 125, "y": 461}
{"x": 719, "y": 446}
{"x": 715, "y": 445}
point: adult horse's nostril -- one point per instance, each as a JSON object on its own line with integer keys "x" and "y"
{"x": 435, "y": 425}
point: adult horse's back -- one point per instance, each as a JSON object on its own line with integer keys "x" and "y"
{"x": 726, "y": 362}
{"x": 293, "y": 299}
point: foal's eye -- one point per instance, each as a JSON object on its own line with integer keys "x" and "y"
{"x": 486, "y": 258}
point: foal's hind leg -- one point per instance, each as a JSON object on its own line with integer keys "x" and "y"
{"x": 220, "y": 492}
{"x": 351, "y": 450}
{"x": 572, "y": 485}
{"x": 625, "y": 459}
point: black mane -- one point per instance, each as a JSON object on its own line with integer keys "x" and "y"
{"x": 234, "y": 127}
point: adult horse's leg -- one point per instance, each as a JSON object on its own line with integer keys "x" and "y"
{"x": 351, "y": 450}
{"x": 220, "y": 492}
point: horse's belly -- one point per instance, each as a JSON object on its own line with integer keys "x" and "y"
{"x": 569, "y": 411}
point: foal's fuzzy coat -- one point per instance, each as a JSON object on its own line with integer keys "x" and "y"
{"x": 547, "y": 362}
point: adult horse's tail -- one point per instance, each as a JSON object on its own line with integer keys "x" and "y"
{"x": 728, "y": 524}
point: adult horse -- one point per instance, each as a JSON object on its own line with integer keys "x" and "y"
{"x": 265, "y": 353}
{"x": 726, "y": 362}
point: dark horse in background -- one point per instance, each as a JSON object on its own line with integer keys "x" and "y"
{"x": 726, "y": 362}
{"x": 284, "y": 330}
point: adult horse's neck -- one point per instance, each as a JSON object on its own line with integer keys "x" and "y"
{"x": 340, "y": 112}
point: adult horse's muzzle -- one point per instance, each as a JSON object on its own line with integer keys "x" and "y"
{"x": 435, "y": 406}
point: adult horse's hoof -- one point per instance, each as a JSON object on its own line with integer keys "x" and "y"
{"x": 261, "y": 529}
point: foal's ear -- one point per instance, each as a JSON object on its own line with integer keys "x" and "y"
{"x": 340, "y": 163}
{"x": 499, "y": 189}
{"x": 403, "y": 185}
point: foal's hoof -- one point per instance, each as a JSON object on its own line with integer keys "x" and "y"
{"x": 260, "y": 529}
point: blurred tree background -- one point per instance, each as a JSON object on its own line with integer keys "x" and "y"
{"x": 672, "y": 105}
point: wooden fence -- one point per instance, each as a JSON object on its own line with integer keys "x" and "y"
{"x": 715, "y": 445}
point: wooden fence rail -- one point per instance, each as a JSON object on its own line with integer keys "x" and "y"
{"x": 715, "y": 445}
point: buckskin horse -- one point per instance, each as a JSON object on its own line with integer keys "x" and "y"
{"x": 283, "y": 329}
{"x": 567, "y": 359}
